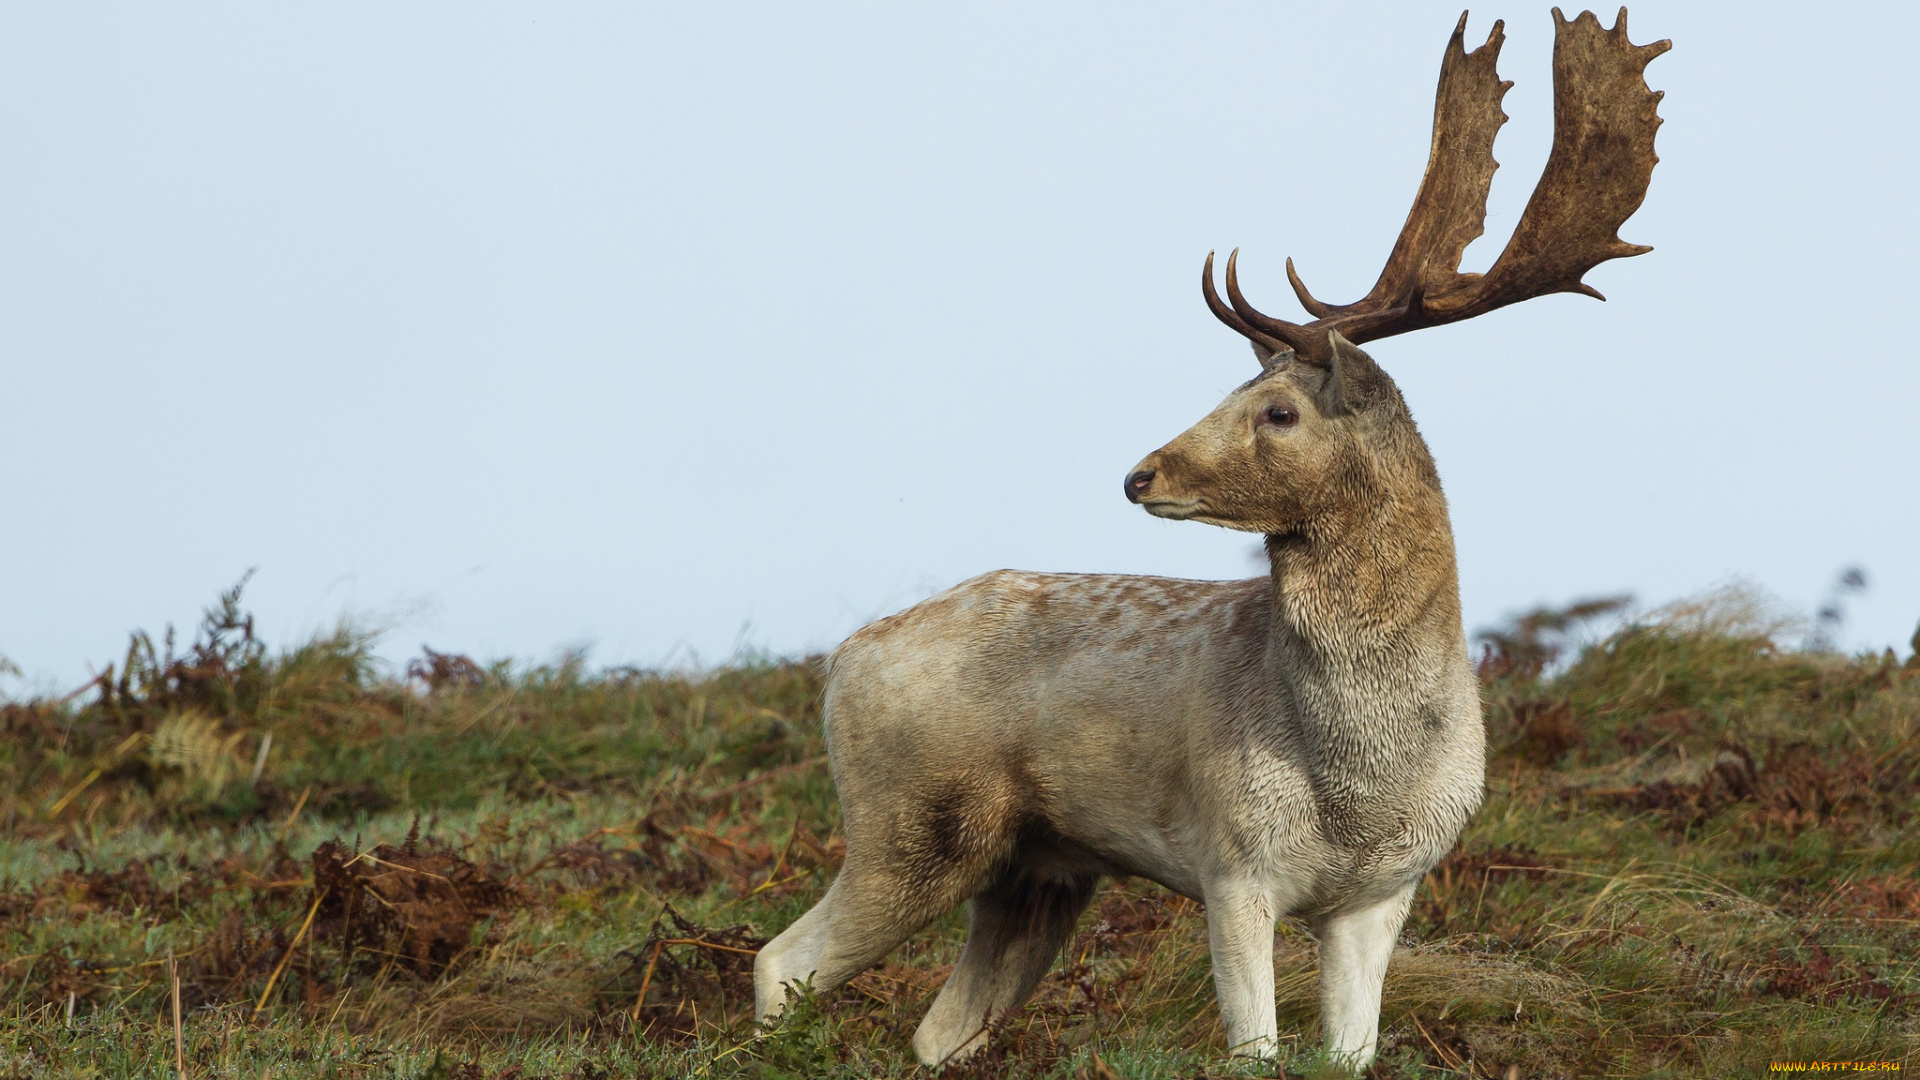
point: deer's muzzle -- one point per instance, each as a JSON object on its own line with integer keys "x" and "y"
{"x": 1138, "y": 483}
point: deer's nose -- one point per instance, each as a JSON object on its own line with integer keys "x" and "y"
{"x": 1138, "y": 483}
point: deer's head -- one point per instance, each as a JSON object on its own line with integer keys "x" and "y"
{"x": 1322, "y": 425}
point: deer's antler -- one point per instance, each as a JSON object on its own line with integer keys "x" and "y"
{"x": 1604, "y": 121}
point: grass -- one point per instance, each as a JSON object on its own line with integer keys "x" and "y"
{"x": 1697, "y": 856}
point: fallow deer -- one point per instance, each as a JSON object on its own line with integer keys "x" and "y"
{"x": 1305, "y": 743}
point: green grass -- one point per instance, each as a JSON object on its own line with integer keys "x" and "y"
{"x": 1697, "y": 856}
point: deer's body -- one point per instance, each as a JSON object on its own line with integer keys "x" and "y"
{"x": 1173, "y": 730}
{"x": 1306, "y": 743}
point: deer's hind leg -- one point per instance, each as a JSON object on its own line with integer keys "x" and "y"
{"x": 865, "y": 915}
{"x": 903, "y": 870}
{"x": 1015, "y": 929}
{"x": 790, "y": 958}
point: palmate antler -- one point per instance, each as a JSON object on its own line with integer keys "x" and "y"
{"x": 1604, "y": 121}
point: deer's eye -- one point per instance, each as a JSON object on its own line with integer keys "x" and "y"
{"x": 1281, "y": 416}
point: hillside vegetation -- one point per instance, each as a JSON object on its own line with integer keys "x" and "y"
{"x": 1697, "y": 857}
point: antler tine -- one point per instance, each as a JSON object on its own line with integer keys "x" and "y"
{"x": 1301, "y": 339}
{"x": 1318, "y": 309}
{"x": 1228, "y": 315}
{"x": 1604, "y": 122}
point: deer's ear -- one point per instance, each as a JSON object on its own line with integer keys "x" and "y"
{"x": 1269, "y": 358}
{"x": 1350, "y": 378}
{"x": 1331, "y": 396}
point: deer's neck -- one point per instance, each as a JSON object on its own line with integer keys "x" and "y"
{"x": 1367, "y": 648}
{"x": 1359, "y": 584}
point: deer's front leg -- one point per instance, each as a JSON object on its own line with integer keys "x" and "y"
{"x": 1354, "y": 949}
{"x": 1240, "y": 918}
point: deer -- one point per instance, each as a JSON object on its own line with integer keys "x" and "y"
{"x": 1308, "y": 743}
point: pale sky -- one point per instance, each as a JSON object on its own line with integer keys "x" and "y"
{"x": 663, "y": 330}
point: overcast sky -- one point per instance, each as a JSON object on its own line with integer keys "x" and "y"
{"x": 663, "y": 330}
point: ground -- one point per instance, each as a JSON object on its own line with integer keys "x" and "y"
{"x": 1696, "y": 858}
